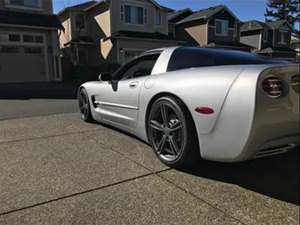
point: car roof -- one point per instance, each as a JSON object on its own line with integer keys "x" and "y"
{"x": 159, "y": 50}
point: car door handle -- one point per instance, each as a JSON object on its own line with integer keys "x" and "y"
{"x": 133, "y": 84}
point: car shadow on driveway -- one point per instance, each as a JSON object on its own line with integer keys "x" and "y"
{"x": 275, "y": 176}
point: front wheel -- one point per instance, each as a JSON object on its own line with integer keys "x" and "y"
{"x": 84, "y": 106}
{"x": 171, "y": 132}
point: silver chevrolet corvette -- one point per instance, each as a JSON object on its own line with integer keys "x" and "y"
{"x": 188, "y": 103}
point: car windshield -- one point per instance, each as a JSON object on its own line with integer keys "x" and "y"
{"x": 186, "y": 57}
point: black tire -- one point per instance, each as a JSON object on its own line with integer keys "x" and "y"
{"x": 173, "y": 136}
{"x": 84, "y": 106}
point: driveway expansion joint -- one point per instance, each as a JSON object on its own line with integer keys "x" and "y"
{"x": 157, "y": 173}
{"x": 77, "y": 194}
{"x": 200, "y": 199}
{"x": 50, "y": 136}
{"x": 29, "y": 117}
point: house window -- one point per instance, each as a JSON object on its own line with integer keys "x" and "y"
{"x": 158, "y": 17}
{"x": 33, "y": 39}
{"x": 39, "y": 39}
{"x": 134, "y": 14}
{"x": 283, "y": 37}
{"x": 122, "y": 13}
{"x": 129, "y": 54}
{"x": 32, "y": 50}
{"x": 265, "y": 35}
{"x": 28, "y": 38}
{"x": 80, "y": 21}
{"x": 14, "y": 38}
{"x": 9, "y": 49}
{"x": 25, "y": 3}
{"x": 145, "y": 15}
{"x": 221, "y": 27}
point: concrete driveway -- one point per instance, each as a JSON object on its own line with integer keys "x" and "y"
{"x": 13, "y": 109}
{"x": 58, "y": 170}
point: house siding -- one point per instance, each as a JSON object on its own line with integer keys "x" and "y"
{"x": 194, "y": 33}
{"x": 46, "y": 7}
{"x": 251, "y": 40}
{"x": 125, "y": 44}
{"x": 119, "y": 25}
{"x": 99, "y": 28}
{"x": 202, "y": 31}
{"x": 232, "y": 32}
{"x": 65, "y": 36}
{"x": 212, "y": 37}
{"x": 198, "y": 33}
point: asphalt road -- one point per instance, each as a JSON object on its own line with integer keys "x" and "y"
{"x": 57, "y": 169}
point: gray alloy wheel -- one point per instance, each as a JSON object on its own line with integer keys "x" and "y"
{"x": 84, "y": 106}
{"x": 171, "y": 132}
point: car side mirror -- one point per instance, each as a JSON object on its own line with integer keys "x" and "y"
{"x": 105, "y": 77}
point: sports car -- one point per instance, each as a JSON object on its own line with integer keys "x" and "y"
{"x": 190, "y": 103}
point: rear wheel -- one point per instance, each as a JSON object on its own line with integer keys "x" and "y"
{"x": 84, "y": 106}
{"x": 171, "y": 132}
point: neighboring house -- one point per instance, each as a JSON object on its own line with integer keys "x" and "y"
{"x": 113, "y": 31}
{"x": 174, "y": 17}
{"x": 29, "y": 47}
{"x": 215, "y": 27}
{"x": 270, "y": 39}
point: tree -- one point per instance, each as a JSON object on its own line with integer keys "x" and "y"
{"x": 284, "y": 10}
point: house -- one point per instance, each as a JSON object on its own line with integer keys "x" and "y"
{"x": 270, "y": 39}
{"x": 215, "y": 27}
{"x": 174, "y": 17}
{"x": 29, "y": 47}
{"x": 113, "y": 31}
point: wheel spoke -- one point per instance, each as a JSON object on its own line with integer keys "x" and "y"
{"x": 85, "y": 111}
{"x": 83, "y": 98}
{"x": 164, "y": 114}
{"x": 176, "y": 126}
{"x": 81, "y": 105}
{"x": 156, "y": 125}
{"x": 162, "y": 144}
{"x": 174, "y": 145}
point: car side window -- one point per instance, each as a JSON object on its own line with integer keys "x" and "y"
{"x": 189, "y": 58}
{"x": 140, "y": 67}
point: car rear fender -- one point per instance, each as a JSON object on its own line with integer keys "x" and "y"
{"x": 196, "y": 87}
{"x": 249, "y": 118}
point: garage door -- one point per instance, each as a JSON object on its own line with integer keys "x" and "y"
{"x": 22, "y": 64}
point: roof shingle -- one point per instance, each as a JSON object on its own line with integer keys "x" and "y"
{"x": 203, "y": 14}
{"x": 29, "y": 19}
{"x": 179, "y": 15}
{"x": 81, "y": 6}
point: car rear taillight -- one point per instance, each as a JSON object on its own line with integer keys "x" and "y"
{"x": 274, "y": 87}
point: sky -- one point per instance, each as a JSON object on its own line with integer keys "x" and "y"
{"x": 244, "y": 9}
